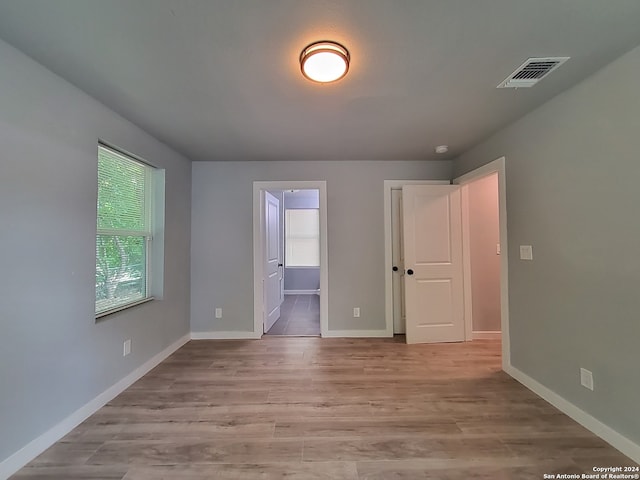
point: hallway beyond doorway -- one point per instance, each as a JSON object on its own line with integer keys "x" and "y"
{"x": 299, "y": 316}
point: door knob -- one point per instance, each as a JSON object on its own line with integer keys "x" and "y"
{"x": 395, "y": 269}
{"x": 279, "y": 264}
{"x": 409, "y": 272}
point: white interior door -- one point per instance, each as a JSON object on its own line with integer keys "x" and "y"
{"x": 434, "y": 298}
{"x": 397, "y": 256}
{"x": 272, "y": 262}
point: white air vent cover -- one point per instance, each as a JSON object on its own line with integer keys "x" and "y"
{"x": 532, "y": 71}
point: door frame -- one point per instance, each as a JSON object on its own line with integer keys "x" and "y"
{"x": 388, "y": 244}
{"x": 258, "y": 241}
{"x": 496, "y": 166}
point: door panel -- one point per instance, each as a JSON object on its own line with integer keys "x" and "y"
{"x": 432, "y": 241}
{"x": 272, "y": 263}
{"x": 432, "y": 224}
{"x": 437, "y": 296}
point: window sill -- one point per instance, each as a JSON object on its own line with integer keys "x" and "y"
{"x": 101, "y": 315}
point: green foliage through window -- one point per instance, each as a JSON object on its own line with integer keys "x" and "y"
{"x": 124, "y": 233}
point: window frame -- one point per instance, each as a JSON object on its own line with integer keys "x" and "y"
{"x": 147, "y": 234}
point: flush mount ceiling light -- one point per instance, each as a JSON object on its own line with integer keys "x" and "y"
{"x": 324, "y": 62}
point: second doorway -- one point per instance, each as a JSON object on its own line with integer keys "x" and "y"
{"x": 298, "y": 251}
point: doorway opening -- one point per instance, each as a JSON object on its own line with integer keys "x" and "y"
{"x": 300, "y": 264}
{"x": 486, "y": 264}
{"x": 395, "y": 317}
{"x": 396, "y": 267}
{"x": 290, "y": 259}
{"x": 482, "y": 250}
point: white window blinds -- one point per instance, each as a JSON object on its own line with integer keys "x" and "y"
{"x": 123, "y": 230}
{"x": 302, "y": 238}
{"x": 122, "y": 193}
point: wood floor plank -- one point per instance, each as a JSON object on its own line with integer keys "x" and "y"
{"x": 286, "y": 409}
{"x": 72, "y": 472}
{"x": 191, "y": 397}
{"x": 476, "y": 469}
{"x": 557, "y": 446}
{"x": 350, "y": 427}
{"x": 270, "y": 471}
{"x": 193, "y": 451}
{"x": 220, "y": 427}
{"x": 64, "y": 453}
{"x": 399, "y": 448}
{"x": 125, "y": 414}
{"x": 312, "y": 409}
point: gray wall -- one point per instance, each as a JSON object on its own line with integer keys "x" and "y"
{"x": 484, "y": 235}
{"x": 572, "y": 168}
{"x": 302, "y": 278}
{"x": 302, "y": 199}
{"x": 222, "y": 236}
{"x": 54, "y": 357}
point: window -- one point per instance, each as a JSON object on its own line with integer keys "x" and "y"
{"x": 124, "y": 231}
{"x": 302, "y": 238}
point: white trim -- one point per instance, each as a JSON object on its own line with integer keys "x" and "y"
{"x": 388, "y": 240}
{"x": 609, "y": 435}
{"x": 258, "y": 301}
{"x": 34, "y": 448}
{"x": 357, "y": 333}
{"x": 466, "y": 266}
{"x": 486, "y": 335}
{"x": 497, "y": 166}
{"x": 124, "y": 306}
{"x": 302, "y": 292}
{"x": 222, "y": 335}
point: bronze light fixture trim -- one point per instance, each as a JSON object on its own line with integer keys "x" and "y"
{"x": 325, "y": 61}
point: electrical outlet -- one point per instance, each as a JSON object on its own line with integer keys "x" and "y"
{"x": 526, "y": 252}
{"x": 356, "y": 312}
{"x": 218, "y": 313}
{"x": 126, "y": 348}
{"x": 586, "y": 378}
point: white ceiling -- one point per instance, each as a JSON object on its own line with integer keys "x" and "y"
{"x": 220, "y": 79}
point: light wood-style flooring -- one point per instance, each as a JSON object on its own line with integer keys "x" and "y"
{"x": 311, "y": 408}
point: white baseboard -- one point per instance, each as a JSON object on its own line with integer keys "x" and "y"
{"x": 302, "y": 292}
{"x": 357, "y": 333}
{"x": 609, "y": 435}
{"x": 34, "y": 448}
{"x": 487, "y": 335}
{"x": 253, "y": 336}
{"x": 224, "y": 335}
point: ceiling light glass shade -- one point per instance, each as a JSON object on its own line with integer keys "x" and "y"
{"x": 324, "y": 62}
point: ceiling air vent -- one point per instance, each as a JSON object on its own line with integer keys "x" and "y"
{"x": 532, "y": 71}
